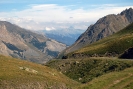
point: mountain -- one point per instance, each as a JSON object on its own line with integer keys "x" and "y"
{"x": 19, "y": 74}
{"x": 64, "y": 35}
{"x": 104, "y": 27}
{"x": 20, "y": 43}
{"x": 65, "y": 39}
{"x": 111, "y": 46}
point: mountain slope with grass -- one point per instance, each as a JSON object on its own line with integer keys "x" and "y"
{"x": 94, "y": 73}
{"x": 104, "y": 27}
{"x": 19, "y": 74}
{"x": 113, "y": 45}
{"x": 98, "y": 66}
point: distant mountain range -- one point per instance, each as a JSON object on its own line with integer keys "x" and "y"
{"x": 20, "y": 43}
{"x": 104, "y": 27}
{"x": 64, "y": 35}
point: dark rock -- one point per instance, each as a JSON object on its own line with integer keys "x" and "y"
{"x": 128, "y": 54}
{"x": 64, "y": 57}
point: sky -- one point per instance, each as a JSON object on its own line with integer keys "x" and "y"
{"x": 58, "y": 14}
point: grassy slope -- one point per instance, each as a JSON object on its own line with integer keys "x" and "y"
{"x": 85, "y": 70}
{"x": 114, "y": 80}
{"x": 18, "y": 74}
{"x": 116, "y": 43}
{"x": 101, "y": 73}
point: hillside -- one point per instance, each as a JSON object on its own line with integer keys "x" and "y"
{"x": 113, "y": 45}
{"x": 94, "y": 73}
{"x": 97, "y": 65}
{"x": 86, "y": 69}
{"x": 21, "y": 43}
{"x": 113, "y": 80}
{"x": 104, "y": 27}
{"x": 19, "y": 74}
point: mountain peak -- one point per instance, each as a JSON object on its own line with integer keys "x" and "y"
{"x": 126, "y": 11}
{"x": 104, "y": 27}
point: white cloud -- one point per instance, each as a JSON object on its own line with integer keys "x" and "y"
{"x": 49, "y": 28}
{"x": 36, "y": 16}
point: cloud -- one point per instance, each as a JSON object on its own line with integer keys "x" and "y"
{"x": 53, "y": 12}
{"x": 49, "y": 28}
{"x": 36, "y": 15}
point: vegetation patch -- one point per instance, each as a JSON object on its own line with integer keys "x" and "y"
{"x": 114, "y": 80}
{"x": 85, "y": 70}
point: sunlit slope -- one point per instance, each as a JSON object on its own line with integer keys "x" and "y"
{"x": 18, "y": 74}
{"x": 114, "y": 80}
{"x": 113, "y": 45}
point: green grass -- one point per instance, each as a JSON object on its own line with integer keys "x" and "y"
{"x": 115, "y": 44}
{"x": 13, "y": 74}
{"x": 105, "y": 73}
{"x": 97, "y": 73}
{"x": 101, "y": 72}
{"x": 85, "y": 70}
{"x": 114, "y": 80}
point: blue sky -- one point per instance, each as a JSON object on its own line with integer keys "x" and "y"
{"x": 8, "y": 5}
{"x": 52, "y": 14}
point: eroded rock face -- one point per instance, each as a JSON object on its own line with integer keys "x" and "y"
{"x": 20, "y": 43}
{"x": 128, "y": 54}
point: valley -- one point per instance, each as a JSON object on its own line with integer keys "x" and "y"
{"x": 64, "y": 35}
{"x": 100, "y": 58}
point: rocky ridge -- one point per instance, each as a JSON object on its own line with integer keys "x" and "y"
{"x": 20, "y": 43}
{"x": 104, "y": 27}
